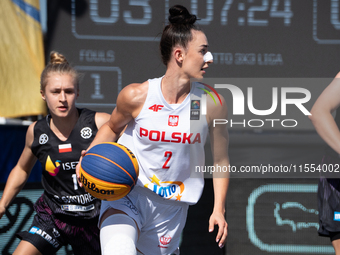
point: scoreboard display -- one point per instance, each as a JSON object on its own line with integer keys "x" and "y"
{"x": 114, "y": 42}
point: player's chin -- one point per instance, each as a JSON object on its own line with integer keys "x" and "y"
{"x": 198, "y": 75}
{"x": 63, "y": 112}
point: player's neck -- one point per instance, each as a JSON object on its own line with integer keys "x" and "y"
{"x": 175, "y": 88}
{"x": 62, "y": 127}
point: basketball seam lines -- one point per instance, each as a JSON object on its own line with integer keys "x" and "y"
{"x": 128, "y": 153}
{"x": 114, "y": 164}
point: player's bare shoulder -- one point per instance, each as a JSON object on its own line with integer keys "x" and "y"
{"x": 216, "y": 109}
{"x": 133, "y": 96}
{"x": 137, "y": 92}
{"x": 30, "y": 134}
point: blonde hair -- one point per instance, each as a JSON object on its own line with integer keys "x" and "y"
{"x": 58, "y": 64}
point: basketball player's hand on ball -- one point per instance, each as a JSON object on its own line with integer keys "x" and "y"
{"x": 83, "y": 152}
{"x": 217, "y": 218}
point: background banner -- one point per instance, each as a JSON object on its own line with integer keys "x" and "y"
{"x": 22, "y": 58}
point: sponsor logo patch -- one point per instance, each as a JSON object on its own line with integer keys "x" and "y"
{"x": 156, "y": 107}
{"x": 336, "y": 216}
{"x": 43, "y": 138}
{"x": 46, "y": 236}
{"x": 164, "y": 241}
{"x": 65, "y": 148}
{"x": 86, "y": 133}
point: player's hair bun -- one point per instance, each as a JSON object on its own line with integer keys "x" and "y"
{"x": 180, "y": 15}
{"x": 57, "y": 58}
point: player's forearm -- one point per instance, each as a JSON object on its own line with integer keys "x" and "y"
{"x": 327, "y": 129}
{"x": 220, "y": 193}
{"x": 15, "y": 182}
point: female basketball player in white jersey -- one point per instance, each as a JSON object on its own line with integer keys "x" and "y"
{"x": 167, "y": 143}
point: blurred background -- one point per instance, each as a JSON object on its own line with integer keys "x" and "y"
{"x": 115, "y": 42}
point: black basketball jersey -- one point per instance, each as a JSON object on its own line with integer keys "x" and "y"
{"x": 59, "y": 159}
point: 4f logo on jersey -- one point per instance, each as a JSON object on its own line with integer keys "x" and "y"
{"x": 156, "y": 107}
{"x": 173, "y": 120}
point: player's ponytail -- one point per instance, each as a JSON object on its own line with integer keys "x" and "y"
{"x": 178, "y": 32}
{"x": 57, "y": 64}
{"x": 179, "y": 15}
{"x": 57, "y": 58}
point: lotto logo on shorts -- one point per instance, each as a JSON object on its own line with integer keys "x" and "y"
{"x": 336, "y": 216}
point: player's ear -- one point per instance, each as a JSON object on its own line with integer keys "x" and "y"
{"x": 179, "y": 54}
{"x": 43, "y": 95}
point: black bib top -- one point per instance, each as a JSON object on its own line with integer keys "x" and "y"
{"x": 59, "y": 159}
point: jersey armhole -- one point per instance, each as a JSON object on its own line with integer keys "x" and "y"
{"x": 144, "y": 104}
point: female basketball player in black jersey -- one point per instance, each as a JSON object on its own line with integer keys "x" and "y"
{"x": 65, "y": 213}
{"x": 329, "y": 188}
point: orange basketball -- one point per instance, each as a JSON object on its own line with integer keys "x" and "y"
{"x": 109, "y": 171}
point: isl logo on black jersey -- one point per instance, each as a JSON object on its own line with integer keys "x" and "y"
{"x": 51, "y": 168}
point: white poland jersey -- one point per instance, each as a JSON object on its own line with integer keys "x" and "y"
{"x": 168, "y": 141}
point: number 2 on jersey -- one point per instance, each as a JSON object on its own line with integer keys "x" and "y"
{"x": 168, "y": 155}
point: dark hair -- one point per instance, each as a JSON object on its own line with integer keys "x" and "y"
{"x": 178, "y": 32}
{"x": 57, "y": 64}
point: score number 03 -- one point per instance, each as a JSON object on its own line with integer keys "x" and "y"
{"x": 276, "y": 8}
